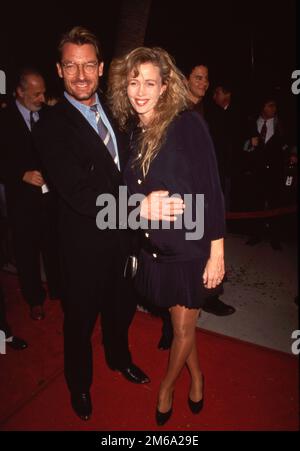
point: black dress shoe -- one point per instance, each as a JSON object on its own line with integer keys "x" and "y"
{"x": 166, "y": 333}
{"x": 37, "y": 312}
{"x": 18, "y": 344}
{"x": 165, "y": 342}
{"x": 217, "y": 307}
{"x": 82, "y": 405}
{"x": 162, "y": 418}
{"x": 134, "y": 374}
{"x": 197, "y": 406}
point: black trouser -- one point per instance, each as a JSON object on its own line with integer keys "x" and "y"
{"x": 99, "y": 288}
{"x": 3, "y": 324}
{"x": 35, "y": 234}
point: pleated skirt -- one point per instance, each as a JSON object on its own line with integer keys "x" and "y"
{"x": 167, "y": 284}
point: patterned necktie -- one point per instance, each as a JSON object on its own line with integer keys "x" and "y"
{"x": 104, "y": 134}
{"x": 263, "y": 133}
{"x": 32, "y": 121}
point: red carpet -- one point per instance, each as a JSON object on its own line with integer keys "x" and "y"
{"x": 247, "y": 387}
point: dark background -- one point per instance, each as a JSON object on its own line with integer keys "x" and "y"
{"x": 220, "y": 33}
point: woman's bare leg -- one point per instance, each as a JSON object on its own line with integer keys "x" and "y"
{"x": 184, "y": 323}
{"x": 192, "y": 362}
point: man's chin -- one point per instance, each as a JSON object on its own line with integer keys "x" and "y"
{"x": 83, "y": 96}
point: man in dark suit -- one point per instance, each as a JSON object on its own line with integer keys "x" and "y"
{"x": 265, "y": 155}
{"x": 83, "y": 154}
{"x": 31, "y": 206}
{"x": 219, "y": 116}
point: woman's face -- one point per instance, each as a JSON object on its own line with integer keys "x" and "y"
{"x": 144, "y": 90}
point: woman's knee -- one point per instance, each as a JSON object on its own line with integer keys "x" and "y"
{"x": 183, "y": 330}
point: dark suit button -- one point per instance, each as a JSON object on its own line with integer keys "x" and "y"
{"x": 91, "y": 168}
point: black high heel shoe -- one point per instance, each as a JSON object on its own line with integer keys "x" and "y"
{"x": 197, "y": 406}
{"x": 162, "y": 418}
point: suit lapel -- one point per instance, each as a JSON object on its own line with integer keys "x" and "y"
{"x": 94, "y": 143}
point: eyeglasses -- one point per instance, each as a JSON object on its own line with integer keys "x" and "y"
{"x": 73, "y": 68}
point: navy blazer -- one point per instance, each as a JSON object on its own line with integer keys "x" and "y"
{"x": 185, "y": 164}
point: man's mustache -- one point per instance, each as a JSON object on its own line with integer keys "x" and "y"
{"x": 82, "y": 81}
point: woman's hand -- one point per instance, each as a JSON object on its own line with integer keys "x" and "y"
{"x": 215, "y": 268}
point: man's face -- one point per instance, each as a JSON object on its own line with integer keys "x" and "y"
{"x": 269, "y": 110}
{"x": 198, "y": 81}
{"x": 80, "y": 70}
{"x": 220, "y": 97}
{"x": 32, "y": 94}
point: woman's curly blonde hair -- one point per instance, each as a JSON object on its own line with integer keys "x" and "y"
{"x": 174, "y": 99}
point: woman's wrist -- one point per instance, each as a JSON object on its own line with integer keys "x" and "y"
{"x": 217, "y": 248}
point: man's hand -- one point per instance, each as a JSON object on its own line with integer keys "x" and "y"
{"x": 157, "y": 206}
{"x": 215, "y": 269}
{"x": 255, "y": 141}
{"x": 33, "y": 178}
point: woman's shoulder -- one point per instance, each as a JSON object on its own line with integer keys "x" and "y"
{"x": 188, "y": 120}
{"x": 186, "y": 126}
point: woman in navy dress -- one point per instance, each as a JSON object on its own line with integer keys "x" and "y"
{"x": 171, "y": 150}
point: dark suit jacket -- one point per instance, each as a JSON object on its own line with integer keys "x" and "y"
{"x": 18, "y": 155}
{"x": 80, "y": 168}
{"x": 226, "y": 127}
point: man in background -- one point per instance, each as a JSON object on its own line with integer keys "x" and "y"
{"x": 30, "y": 202}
